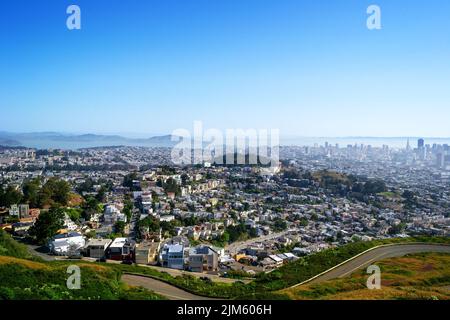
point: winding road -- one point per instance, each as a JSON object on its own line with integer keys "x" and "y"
{"x": 376, "y": 254}
{"x": 169, "y": 291}
{"x": 342, "y": 270}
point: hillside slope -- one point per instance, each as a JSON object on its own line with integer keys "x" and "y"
{"x": 24, "y": 278}
{"x": 418, "y": 276}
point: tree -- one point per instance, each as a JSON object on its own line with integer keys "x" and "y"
{"x": 151, "y": 223}
{"x": 240, "y": 232}
{"x": 225, "y": 237}
{"x": 55, "y": 192}
{"x": 90, "y": 207}
{"x": 168, "y": 227}
{"x": 410, "y": 199}
{"x": 74, "y": 214}
{"x": 222, "y": 241}
{"x": 191, "y": 221}
{"x": 128, "y": 181}
{"x": 119, "y": 227}
{"x": 101, "y": 194}
{"x": 407, "y": 194}
{"x": 128, "y": 209}
{"x": 91, "y": 234}
{"x": 47, "y": 225}
{"x": 30, "y": 191}
{"x": 184, "y": 179}
{"x": 279, "y": 225}
{"x": 172, "y": 186}
{"x": 397, "y": 229}
{"x": 166, "y": 170}
{"x": 61, "y": 192}
{"x": 374, "y": 187}
{"x": 9, "y": 196}
{"x": 86, "y": 186}
{"x": 303, "y": 222}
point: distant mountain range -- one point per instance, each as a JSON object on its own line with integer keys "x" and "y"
{"x": 56, "y": 140}
{"x": 9, "y": 142}
{"x": 46, "y": 140}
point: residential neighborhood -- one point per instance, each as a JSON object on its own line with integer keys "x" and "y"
{"x": 119, "y": 204}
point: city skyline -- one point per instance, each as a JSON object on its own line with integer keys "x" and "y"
{"x": 169, "y": 132}
{"x": 45, "y": 140}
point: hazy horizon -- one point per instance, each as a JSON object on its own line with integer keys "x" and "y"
{"x": 143, "y": 135}
{"x": 57, "y": 140}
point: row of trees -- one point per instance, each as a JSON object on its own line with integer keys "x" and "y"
{"x": 337, "y": 182}
{"x": 54, "y": 193}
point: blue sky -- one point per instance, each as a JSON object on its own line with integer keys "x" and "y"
{"x": 309, "y": 68}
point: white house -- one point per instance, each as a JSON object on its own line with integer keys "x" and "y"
{"x": 166, "y": 218}
{"x": 63, "y": 244}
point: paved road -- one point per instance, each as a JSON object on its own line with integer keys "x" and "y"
{"x": 133, "y": 223}
{"x": 40, "y": 252}
{"x": 344, "y": 270}
{"x": 376, "y": 255}
{"x": 162, "y": 288}
{"x": 176, "y": 272}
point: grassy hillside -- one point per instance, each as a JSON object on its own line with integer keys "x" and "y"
{"x": 24, "y": 278}
{"x": 311, "y": 265}
{"x": 268, "y": 286}
{"x": 418, "y": 276}
{"x": 9, "y": 247}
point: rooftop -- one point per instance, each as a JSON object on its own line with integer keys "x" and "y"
{"x": 98, "y": 242}
{"x": 174, "y": 248}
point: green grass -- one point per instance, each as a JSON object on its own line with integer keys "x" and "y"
{"x": 46, "y": 281}
{"x": 266, "y": 286}
{"x": 10, "y": 247}
{"x": 416, "y": 276}
{"x": 23, "y": 278}
{"x": 106, "y": 277}
{"x": 309, "y": 266}
{"x": 389, "y": 194}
